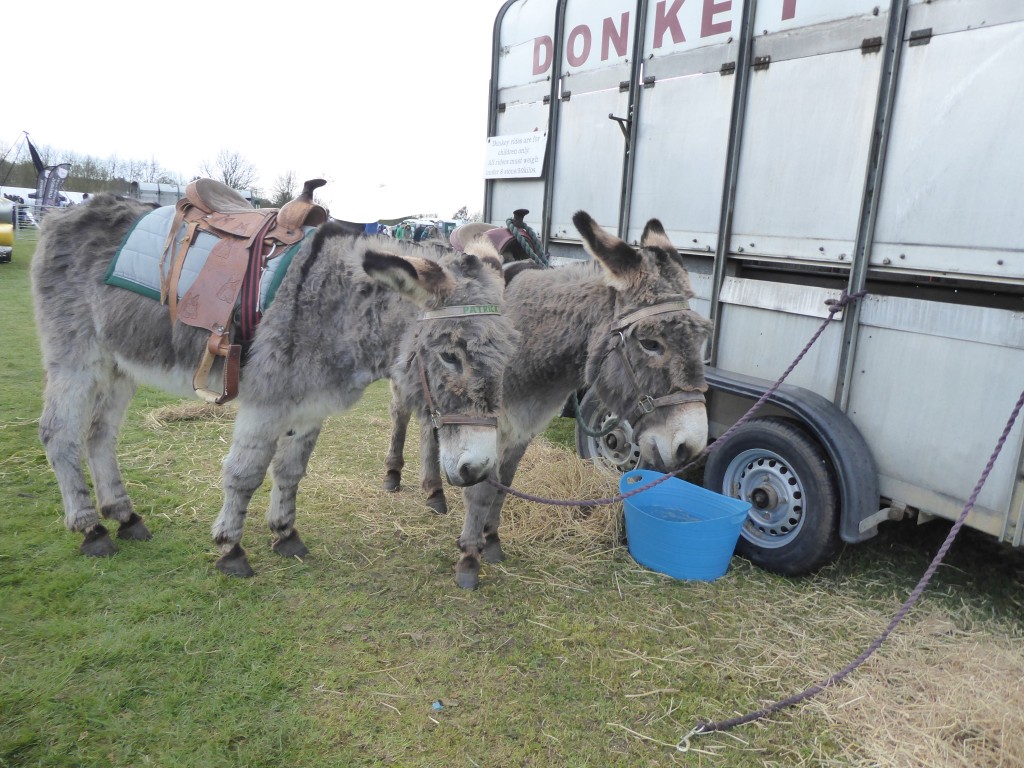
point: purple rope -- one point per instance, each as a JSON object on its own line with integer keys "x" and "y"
{"x": 814, "y": 690}
{"x": 834, "y": 305}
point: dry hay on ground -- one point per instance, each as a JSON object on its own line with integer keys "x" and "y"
{"x": 935, "y": 696}
{"x": 553, "y": 472}
{"x": 190, "y": 410}
{"x": 547, "y": 470}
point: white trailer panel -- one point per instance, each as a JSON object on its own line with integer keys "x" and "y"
{"x": 795, "y": 150}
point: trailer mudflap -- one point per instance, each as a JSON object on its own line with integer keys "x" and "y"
{"x": 842, "y": 442}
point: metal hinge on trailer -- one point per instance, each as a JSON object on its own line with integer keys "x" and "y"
{"x": 921, "y": 36}
{"x": 871, "y": 45}
{"x": 762, "y": 62}
{"x": 728, "y": 68}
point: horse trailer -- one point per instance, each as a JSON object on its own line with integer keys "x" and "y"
{"x": 798, "y": 153}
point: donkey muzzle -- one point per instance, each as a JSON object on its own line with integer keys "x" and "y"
{"x": 469, "y": 453}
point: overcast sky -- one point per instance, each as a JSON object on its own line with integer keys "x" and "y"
{"x": 386, "y": 99}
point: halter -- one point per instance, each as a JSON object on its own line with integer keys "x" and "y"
{"x": 646, "y": 403}
{"x": 459, "y": 311}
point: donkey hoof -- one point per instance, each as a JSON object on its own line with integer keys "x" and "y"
{"x": 392, "y": 481}
{"x": 235, "y": 563}
{"x": 437, "y": 503}
{"x": 493, "y": 553}
{"x": 97, "y": 543}
{"x": 134, "y": 529}
{"x": 290, "y": 546}
{"x": 467, "y": 573}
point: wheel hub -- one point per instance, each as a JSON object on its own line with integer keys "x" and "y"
{"x": 775, "y": 493}
{"x": 615, "y": 452}
{"x": 764, "y": 497}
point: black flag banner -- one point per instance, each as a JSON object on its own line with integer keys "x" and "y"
{"x": 37, "y": 160}
{"x": 49, "y": 184}
{"x": 49, "y": 178}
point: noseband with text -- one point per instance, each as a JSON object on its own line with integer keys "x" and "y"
{"x": 437, "y": 419}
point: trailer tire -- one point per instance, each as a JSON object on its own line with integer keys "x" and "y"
{"x": 793, "y": 524}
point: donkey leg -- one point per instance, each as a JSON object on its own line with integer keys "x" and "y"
{"x": 493, "y": 553}
{"x": 67, "y": 403}
{"x": 252, "y": 448}
{"x": 109, "y": 407}
{"x": 478, "y": 500}
{"x": 395, "y": 460}
{"x": 287, "y": 469}
{"x": 430, "y": 468}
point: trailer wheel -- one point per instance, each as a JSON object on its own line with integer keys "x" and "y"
{"x": 615, "y": 453}
{"x": 793, "y": 524}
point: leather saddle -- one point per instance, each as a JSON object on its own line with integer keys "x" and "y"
{"x": 247, "y": 238}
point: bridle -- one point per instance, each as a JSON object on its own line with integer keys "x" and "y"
{"x": 646, "y": 404}
{"x": 437, "y": 419}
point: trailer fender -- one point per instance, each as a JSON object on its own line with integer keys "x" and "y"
{"x": 842, "y": 442}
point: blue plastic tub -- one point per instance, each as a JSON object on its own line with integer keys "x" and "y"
{"x": 680, "y": 529}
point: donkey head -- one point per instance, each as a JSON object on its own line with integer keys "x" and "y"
{"x": 648, "y": 367}
{"x": 454, "y": 357}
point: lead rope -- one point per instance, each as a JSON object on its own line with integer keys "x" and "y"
{"x": 814, "y": 690}
{"x": 834, "y": 305}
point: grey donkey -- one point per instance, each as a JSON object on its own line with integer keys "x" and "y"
{"x": 619, "y": 324}
{"x": 347, "y": 310}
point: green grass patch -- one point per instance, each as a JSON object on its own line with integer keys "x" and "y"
{"x": 570, "y": 654}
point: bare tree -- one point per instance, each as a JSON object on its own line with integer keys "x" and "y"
{"x": 283, "y": 189}
{"x": 132, "y": 170}
{"x": 231, "y": 168}
{"x": 462, "y": 213}
{"x": 153, "y": 172}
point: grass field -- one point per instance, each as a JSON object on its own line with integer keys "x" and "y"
{"x": 366, "y": 653}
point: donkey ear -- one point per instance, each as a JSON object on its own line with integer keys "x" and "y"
{"x": 617, "y": 257}
{"x": 654, "y": 237}
{"x": 484, "y": 250}
{"x": 422, "y": 281}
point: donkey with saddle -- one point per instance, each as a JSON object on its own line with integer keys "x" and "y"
{"x": 334, "y": 313}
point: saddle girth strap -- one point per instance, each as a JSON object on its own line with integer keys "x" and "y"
{"x": 249, "y": 314}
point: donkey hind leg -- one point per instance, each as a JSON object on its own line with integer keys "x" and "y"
{"x": 430, "y": 468}
{"x": 479, "y": 538}
{"x": 395, "y": 460}
{"x": 252, "y": 447}
{"x": 287, "y": 469}
{"x": 67, "y": 406}
{"x": 109, "y": 407}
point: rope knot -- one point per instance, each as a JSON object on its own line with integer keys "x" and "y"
{"x": 834, "y": 305}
